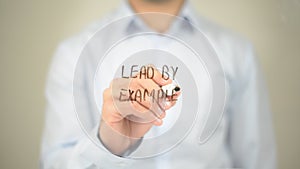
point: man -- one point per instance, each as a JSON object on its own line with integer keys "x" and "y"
{"x": 244, "y": 139}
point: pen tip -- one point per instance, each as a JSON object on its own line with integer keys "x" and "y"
{"x": 177, "y": 89}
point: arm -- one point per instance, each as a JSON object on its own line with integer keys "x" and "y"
{"x": 64, "y": 144}
{"x": 251, "y": 138}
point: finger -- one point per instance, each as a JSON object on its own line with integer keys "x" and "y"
{"x": 155, "y": 75}
{"x": 109, "y": 114}
{"x": 163, "y": 115}
{"x": 151, "y": 93}
{"x": 149, "y": 113}
{"x": 148, "y": 90}
{"x": 172, "y": 100}
{"x": 157, "y": 122}
{"x": 174, "y": 97}
{"x": 142, "y": 107}
{"x": 170, "y": 105}
{"x": 145, "y": 108}
{"x": 119, "y": 87}
{"x": 146, "y": 84}
{"x": 158, "y": 78}
{"x": 158, "y": 94}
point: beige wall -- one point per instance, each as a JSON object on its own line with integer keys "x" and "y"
{"x": 30, "y": 31}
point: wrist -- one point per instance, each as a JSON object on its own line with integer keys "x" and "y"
{"x": 112, "y": 140}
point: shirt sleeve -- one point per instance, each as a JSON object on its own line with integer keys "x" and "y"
{"x": 65, "y": 145}
{"x": 251, "y": 138}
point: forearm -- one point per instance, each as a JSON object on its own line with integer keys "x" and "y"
{"x": 81, "y": 154}
{"x": 114, "y": 141}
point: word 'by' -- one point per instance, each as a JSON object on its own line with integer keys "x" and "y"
{"x": 148, "y": 72}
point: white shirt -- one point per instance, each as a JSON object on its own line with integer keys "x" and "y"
{"x": 244, "y": 138}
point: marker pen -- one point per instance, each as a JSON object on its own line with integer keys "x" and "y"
{"x": 168, "y": 89}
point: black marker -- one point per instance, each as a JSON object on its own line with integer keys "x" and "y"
{"x": 168, "y": 89}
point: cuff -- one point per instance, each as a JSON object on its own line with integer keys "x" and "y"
{"x": 93, "y": 152}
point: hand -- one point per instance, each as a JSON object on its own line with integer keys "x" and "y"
{"x": 126, "y": 118}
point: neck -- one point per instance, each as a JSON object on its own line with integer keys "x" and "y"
{"x": 171, "y": 7}
{"x": 162, "y": 13}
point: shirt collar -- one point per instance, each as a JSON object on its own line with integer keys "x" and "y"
{"x": 186, "y": 13}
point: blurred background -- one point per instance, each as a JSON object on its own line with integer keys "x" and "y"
{"x": 32, "y": 29}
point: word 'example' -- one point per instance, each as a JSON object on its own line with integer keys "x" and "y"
{"x": 141, "y": 95}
